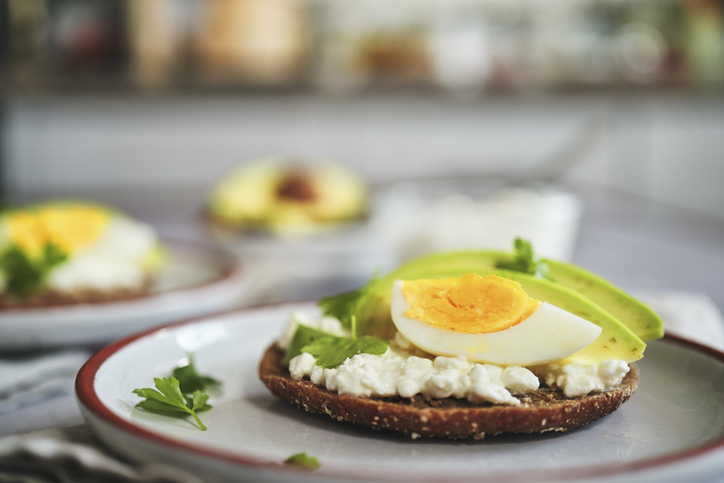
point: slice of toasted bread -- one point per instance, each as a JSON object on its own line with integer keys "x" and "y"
{"x": 541, "y": 410}
{"x": 51, "y": 298}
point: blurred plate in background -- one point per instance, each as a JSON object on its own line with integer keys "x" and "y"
{"x": 197, "y": 279}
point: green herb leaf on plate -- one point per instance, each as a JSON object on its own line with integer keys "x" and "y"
{"x": 303, "y": 461}
{"x": 198, "y": 401}
{"x": 168, "y": 399}
{"x": 190, "y": 380}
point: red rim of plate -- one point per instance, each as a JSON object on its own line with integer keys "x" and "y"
{"x": 229, "y": 266}
{"x": 87, "y": 396}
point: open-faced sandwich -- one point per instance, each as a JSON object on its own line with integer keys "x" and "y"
{"x": 466, "y": 344}
{"x": 286, "y": 197}
{"x": 72, "y": 252}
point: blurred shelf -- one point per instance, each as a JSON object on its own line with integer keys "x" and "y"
{"x": 122, "y": 85}
{"x": 477, "y": 48}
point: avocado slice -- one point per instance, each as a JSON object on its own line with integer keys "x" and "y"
{"x": 615, "y": 342}
{"x": 633, "y": 313}
{"x": 636, "y": 315}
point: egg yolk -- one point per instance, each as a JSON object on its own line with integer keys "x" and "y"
{"x": 71, "y": 228}
{"x": 470, "y": 304}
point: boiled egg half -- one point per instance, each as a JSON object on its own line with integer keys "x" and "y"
{"x": 486, "y": 319}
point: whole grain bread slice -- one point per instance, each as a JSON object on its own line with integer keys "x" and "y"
{"x": 540, "y": 411}
{"x": 52, "y": 298}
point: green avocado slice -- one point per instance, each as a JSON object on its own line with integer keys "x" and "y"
{"x": 615, "y": 342}
{"x": 636, "y": 315}
{"x": 633, "y": 313}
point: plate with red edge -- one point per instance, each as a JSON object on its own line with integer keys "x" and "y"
{"x": 197, "y": 278}
{"x": 671, "y": 430}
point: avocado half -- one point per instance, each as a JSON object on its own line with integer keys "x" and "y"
{"x": 626, "y": 322}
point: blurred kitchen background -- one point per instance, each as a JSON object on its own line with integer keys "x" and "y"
{"x": 147, "y": 104}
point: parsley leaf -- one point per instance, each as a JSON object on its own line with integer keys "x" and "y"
{"x": 341, "y": 306}
{"x": 304, "y": 335}
{"x": 303, "y": 461}
{"x": 198, "y": 401}
{"x": 169, "y": 400}
{"x": 525, "y": 261}
{"x": 53, "y": 255}
{"x": 331, "y": 351}
{"x": 189, "y": 380}
{"x": 344, "y": 306}
{"x": 24, "y": 275}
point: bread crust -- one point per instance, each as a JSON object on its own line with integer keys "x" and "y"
{"x": 540, "y": 411}
{"x": 52, "y": 298}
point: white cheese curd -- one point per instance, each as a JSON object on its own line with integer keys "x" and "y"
{"x": 519, "y": 380}
{"x": 116, "y": 260}
{"x": 302, "y": 365}
{"x": 580, "y": 379}
{"x": 397, "y": 372}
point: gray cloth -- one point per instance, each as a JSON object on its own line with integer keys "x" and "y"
{"x": 75, "y": 455}
{"x": 26, "y": 380}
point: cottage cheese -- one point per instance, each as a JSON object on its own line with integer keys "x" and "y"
{"x": 399, "y": 372}
{"x": 580, "y": 379}
{"x": 404, "y": 370}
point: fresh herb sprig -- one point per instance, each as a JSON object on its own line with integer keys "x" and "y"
{"x": 303, "y": 461}
{"x": 304, "y": 336}
{"x": 330, "y": 350}
{"x": 182, "y": 394}
{"x": 525, "y": 261}
{"x": 190, "y": 380}
{"x": 169, "y": 400}
{"x": 25, "y": 275}
{"x": 344, "y": 306}
{"x": 300, "y": 461}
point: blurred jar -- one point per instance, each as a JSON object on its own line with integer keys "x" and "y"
{"x": 27, "y": 36}
{"x": 639, "y": 52}
{"x": 459, "y": 46}
{"x": 705, "y": 41}
{"x": 157, "y": 32}
{"x": 253, "y": 40}
{"x": 86, "y": 37}
{"x": 419, "y": 217}
{"x": 367, "y": 41}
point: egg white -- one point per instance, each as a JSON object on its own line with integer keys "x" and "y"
{"x": 548, "y": 335}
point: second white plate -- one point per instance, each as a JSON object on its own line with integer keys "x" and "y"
{"x": 197, "y": 279}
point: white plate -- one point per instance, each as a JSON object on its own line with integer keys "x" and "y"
{"x": 197, "y": 279}
{"x": 671, "y": 430}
